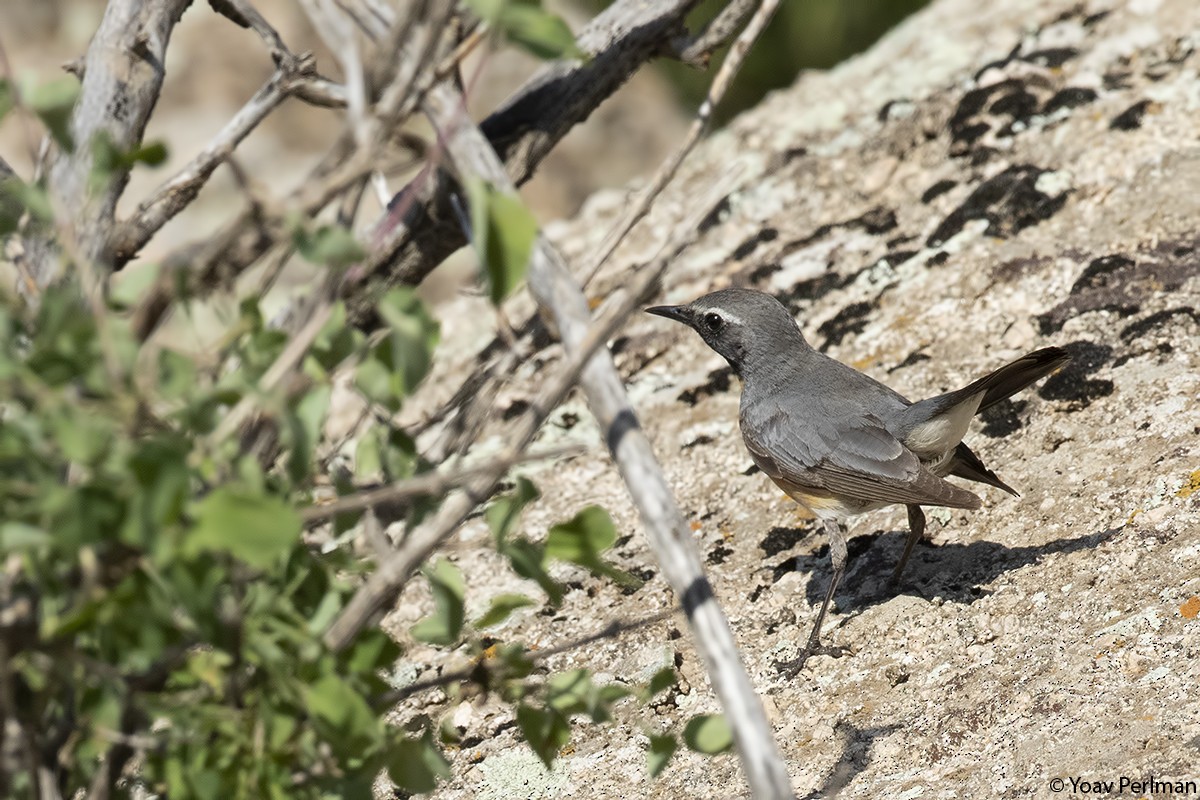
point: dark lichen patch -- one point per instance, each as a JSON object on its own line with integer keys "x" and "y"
{"x": 715, "y": 216}
{"x": 763, "y": 271}
{"x": 643, "y": 573}
{"x": 1016, "y": 268}
{"x": 1119, "y": 284}
{"x": 897, "y": 257}
{"x": 937, "y": 190}
{"x": 1102, "y": 273}
{"x": 1131, "y": 118}
{"x": 751, "y": 244}
{"x": 699, "y": 440}
{"x": 1009, "y": 201}
{"x": 1074, "y": 382}
{"x": 1070, "y": 97}
{"x": 718, "y": 381}
{"x": 1051, "y": 57}
{"x": 1019, "y": 104}
{"x": 850, "y": 320}
{"x": 515, "y": 409}
{"x": 965, "y": 127}
{"x": 1137, "y": 330}
{"x": 915, "y": 357}
{"x": 1003, "y": 418}
{"x": 937, "y": 259}
{"x": 780, "y": 539}
{"x": 1118, "y": 80}
{"x": 811, "y": 289}
{"x": 876, "y": 221}
{"x": 718, "y": 554}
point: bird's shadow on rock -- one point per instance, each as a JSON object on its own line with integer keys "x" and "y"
{"x": 857, "y": 744}
{"x": 954, "y": 572}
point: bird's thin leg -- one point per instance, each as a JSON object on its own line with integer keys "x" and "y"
{"x": 916, "y": 529}
{"x": 837, "y": 554}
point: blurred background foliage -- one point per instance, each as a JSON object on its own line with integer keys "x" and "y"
{"x": 803, "y": 35}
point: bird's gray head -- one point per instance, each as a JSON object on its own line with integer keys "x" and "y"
{"x": 745, "y": 326}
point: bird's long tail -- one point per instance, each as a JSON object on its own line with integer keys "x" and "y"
{"x": 1015, "y": 376}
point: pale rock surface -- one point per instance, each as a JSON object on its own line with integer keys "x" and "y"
{"x": 990, "y": 178}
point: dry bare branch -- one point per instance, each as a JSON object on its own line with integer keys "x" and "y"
{"x": 622, "y": 38}
{"x": 292, "y": 75}
{"x": 123, "y": 76}
{"x": 430, "y": 483}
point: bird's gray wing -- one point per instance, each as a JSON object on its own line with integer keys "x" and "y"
{"x": 859, "y": 460}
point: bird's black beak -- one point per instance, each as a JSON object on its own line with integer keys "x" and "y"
{"x": 678, "y": 313}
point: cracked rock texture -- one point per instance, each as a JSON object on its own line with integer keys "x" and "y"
{"x": 990, "y": 178}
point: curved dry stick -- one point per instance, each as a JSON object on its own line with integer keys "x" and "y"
{"x": 720, "y": 84}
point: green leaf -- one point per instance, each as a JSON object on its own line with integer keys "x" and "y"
{"x": 302, "y": 431}
{"x": 445, "y": 624}
{"x": 176, "y": 375}
{"x": 416, "y": 765}
{"x": 110, "y": 161}
{"x": 328, "y": 245}
{"x": 582, "y": 539}
{"x": 254, "y": 528}
{"x": 543, "y": 34}
{"x": 501, "y": 607}
{"x": 546, "y": 730}
{"x": 336, "y": 342}
{"x": 662, "y": 747}
{"x": 130, "y": 284}
{"x": 347, "y": 722}
{"x": 526, "y": 24}
{"x": 399, "y": 362}
{"x": 504, "y": 511}
{"x": 569, "y": 692}
{"x": 8, "y": 97}
{"x": 12, "y": 205}
{"x": 372, "y": 651}
{"x": 661, "y": 681}
{"x": 708, "y": 733}
{"x": 53, "y": 102}
{"x": 17, "y": 197}
{"x": 529, "y": 561}
{"x": 503, "y": 232}
{"x": 19, "y": 536}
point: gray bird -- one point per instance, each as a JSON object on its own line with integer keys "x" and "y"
{"x": 840, "y": 442}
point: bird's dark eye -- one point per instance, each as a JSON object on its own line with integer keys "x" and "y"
{"x": 713, "y": 321}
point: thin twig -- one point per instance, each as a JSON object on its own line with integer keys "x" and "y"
{"x": 610, "y": 631}
{"x": 335, "y": 29}
{"x": 176, "y": 194}
{"x": 696, "y": 50}
{"x": 729, "y": 69}
{"x": 431, "y": 483}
